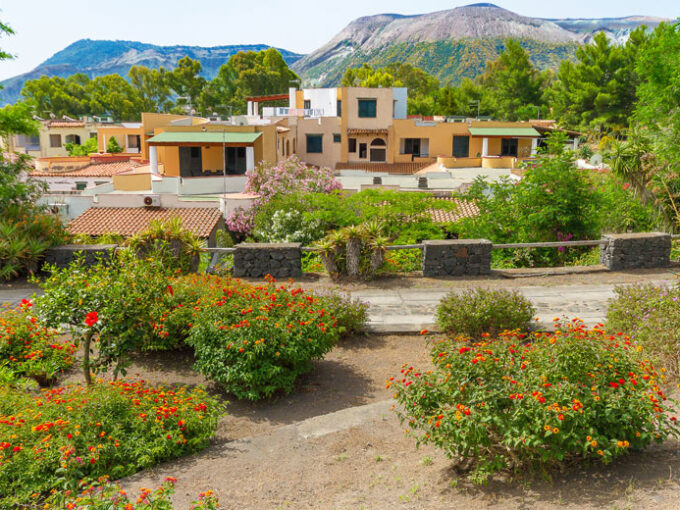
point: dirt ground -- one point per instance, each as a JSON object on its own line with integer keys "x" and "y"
{"x": 258, "y": 461}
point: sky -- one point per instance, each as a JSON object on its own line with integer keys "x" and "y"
{"x": 43, "y": 27}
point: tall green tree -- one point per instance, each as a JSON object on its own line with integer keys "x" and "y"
{"x": 597, "y": 92}
{"x": 247, "y": 73}
{"x": 185, "y": 80}
{"x": 58, "y": 96}
{"x": 466, "y": 99}
{"x": 513, "y": 87}
{"x": 5, "y": 30}
{"x": 152, "y": 87}
{"x": 113, "y": 95}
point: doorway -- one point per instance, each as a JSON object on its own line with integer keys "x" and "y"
{"x": 190, "y": 162}
{"x": 236, "y": 160}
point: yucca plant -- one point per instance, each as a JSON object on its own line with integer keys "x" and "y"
{"x": 327, "y": 251}
{"x": 377, "y": 246}
{"x": 353, "y": 235}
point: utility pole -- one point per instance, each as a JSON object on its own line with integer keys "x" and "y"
{"x": 476, "y": 101}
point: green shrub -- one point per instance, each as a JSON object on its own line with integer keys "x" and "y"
{"x": 477, "y": 311}
{"x": 168, "y": 240}
{"x": 27, "y": 348}
{"x": 650, "y": 316}
{"x": 110, "y": 303}
{"x": 256, "y": 340}
{"x": 511, "y": 405}
{"x": 57, "y": 438}
{"x": 27, "y": 231}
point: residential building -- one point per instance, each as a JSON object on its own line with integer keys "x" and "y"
{"x": 53, "y": 136}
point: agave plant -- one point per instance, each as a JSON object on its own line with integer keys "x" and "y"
{"x": 377, "y": 246}
{"x": 327, "y": 251}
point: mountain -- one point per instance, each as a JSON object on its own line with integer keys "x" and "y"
{"x": 454, "y": 43}
{"x": 96, "y": 58}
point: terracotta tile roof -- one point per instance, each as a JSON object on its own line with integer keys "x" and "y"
{"x": 128, "y": 221}
{"x": 92, "y": 170}
{"x": 390, "y": 168}
{"x": 65, "y": 123}
{"x": 464, "y": 210}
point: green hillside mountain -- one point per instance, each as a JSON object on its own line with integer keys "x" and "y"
{"x": 455, "y": 43}
{"x": 97, "y": 58}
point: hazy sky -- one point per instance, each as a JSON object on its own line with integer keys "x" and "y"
{"x": 44, "y": 27}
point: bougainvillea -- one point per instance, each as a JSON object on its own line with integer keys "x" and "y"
{"x": 516, "y": 402}
{"x": 60, "y": 436}
{"x": 269, "y": 180}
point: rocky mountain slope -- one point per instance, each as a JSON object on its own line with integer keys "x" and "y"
{"x": 455, "y": 43}
{"x": 96, "y": 58}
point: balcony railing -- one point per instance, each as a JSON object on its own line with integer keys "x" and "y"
{"x": 292, "y": 112}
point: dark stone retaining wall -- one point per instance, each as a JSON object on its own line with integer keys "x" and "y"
{"x": 62, "y": 256}
{"x": 634, "y": 251}
{"x": 456, "y": 257}
{"x": 255, "y": 260}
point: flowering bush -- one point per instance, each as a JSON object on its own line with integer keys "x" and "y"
{"x": 28, "y": 348}
{"x": 477, "y": 311}
{"x": 269, "y": 180}
{"x": 515, "y": 403}
{"x": 254, "y": 340}
{"x": 651, "y": 316}
{"x": 109, "y": 303}
{"x": 60, "y": 436}
{"x": 104, "y": 495}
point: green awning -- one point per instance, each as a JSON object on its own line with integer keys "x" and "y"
{"x": 504, "y": 131}
{"x": 199, "y": 137}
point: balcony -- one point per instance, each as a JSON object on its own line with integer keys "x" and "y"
{"x": 292, "y": 112}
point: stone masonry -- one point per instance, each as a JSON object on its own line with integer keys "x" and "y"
{"x": 62, "y": 256}
{"x": 634, "y": 251}
{"x": 457, "y": 257}
{"x": 255, "y": 260}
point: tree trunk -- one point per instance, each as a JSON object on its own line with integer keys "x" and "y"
{"x": 87, "y": 341}
{"x": 328, "y": 260}
{"x": 352, "y": 254}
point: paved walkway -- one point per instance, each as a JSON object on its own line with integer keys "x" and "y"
{"x": 410, "y": 310}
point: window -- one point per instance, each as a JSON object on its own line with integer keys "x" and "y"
{"x": 73, "y": 139}
{"x": 307, "y": 104}
{"x": 80, "y": 186}
{"x": 133, "y": 141}
{"x": 362, "y": 151}
{"x": 93, "y": 134}
{"x": 339, "y": 108}
{"x": 351, "y": 145}
{"x": 314, "y": 144}
{"x": 367, "y": 108}
{"x": 509, "y": 147}
{"x": 55, "y": 141}
{"x": 337, "y": 138}
{"x": 461, "y": 146}
{"x": 412, "y": 146}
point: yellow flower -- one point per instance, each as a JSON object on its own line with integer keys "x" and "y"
{"x": 555, "y": 430}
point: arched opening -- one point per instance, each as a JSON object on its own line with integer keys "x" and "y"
{"x": 378, "y": 150}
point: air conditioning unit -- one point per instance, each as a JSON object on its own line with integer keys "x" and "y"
{"x": 61, "y": 209}
{"x": 152, "y": 201}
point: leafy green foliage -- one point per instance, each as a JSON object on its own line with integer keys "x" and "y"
{"x": 26, "y": 230}
{"x": 85, "y": 149}
{"x": 17, "y": 119}
{"x": 254, "y": 340}
{"x": 177, "y": 248}
{"x": 598, "y": 91}
{"x": 112, "y": 146}
{"x": 109, "y": 303}
{"x": 477, "y": 311}
{"x": 650, "y": 315}
{"x": 55, "y": 439}
{"x": 516, "y": 403}
{"x": 554, "y": 201}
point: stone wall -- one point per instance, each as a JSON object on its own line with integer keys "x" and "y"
{"x": 62, "y": 256}
{"x": 255, "y": 260}
{"x": 634, "y": 251}
{"x": 456, "y": 257}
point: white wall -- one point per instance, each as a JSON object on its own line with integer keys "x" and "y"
{"x": 400, "y": 100}
{"x": 208, "y": 185}
{"x": 324, "y": 99}
{"x": 57, "y": 184}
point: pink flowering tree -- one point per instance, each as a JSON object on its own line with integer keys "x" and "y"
{"x": 287, "y": 176}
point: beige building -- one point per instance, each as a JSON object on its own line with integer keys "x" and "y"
{"x": 54, "y": 134}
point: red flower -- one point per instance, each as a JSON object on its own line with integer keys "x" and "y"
{"x": 613, "y": 385}
{"x": 170, "y": 290}
{"x": 626, "y": 186}
{"x": 560, "y": 417}
{"x": 424, "y": 332}
{"x": 26, "y": 303}
{"x": 91, "y": 319}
